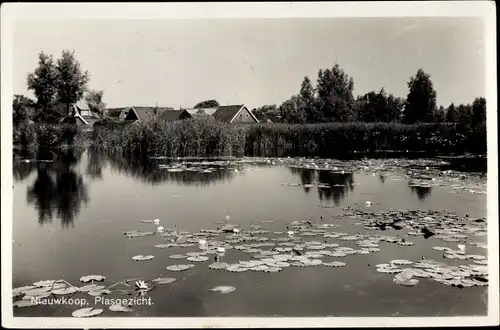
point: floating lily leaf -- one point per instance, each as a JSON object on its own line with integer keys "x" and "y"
{"x": 164, "y": 280}
{"x": 87, "y": 288}
{"x": 94, "y": 292}
{"x": 338, "y": 254}
{"x": 272, "y": 270}
{"x": 143, "y": 258}
{"x": 37, "y": 291}
{"x": 162, "y": 246}
{"x": 147, "y": 221}
{"x": 405, "y": 278}
{"x": 282, "y": 264}
{"x": 401, "y": 262}
{"x": 198, "y": 258}
{"x": 476, "y": 257}
{"x": 179, "y": 268}
{"x": 38, "y": 296}
{"x": 45, "y": 283}
{"x": 22, "y": 289}
{"x": 178, "y": 256}
{"x": 335, "y": 264}
{"x": 406, "y": 243}
{"x": 481, "y": 262}
{"x": 120, "y": 308}
{"x": 88, "y": 278}
{"x": 135, "y": 234}
{"x": 389, "y": 270}
{"x": 259, "y": 268}
{"x": 218, "y": 265}
{"x": 86, "y": 312}
{"x": 223, "y": 289}
{"x": 441, "y": 248}
{"x": 24, "y": 303}
{"x": 67, "y": 290}
{"x": 235, "y": 268}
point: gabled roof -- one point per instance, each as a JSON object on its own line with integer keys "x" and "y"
{"x": 117, "y": 113}
{"x": 201, "y": 111}
{"x": 171, "y": 115}
{"x": 227, "y": 113}
{"x": 146, "y": 114}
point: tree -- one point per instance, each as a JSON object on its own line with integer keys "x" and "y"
{"x": 379, "y": 107}
{"x": 335, "y": 100}
{"x": 421, "y": 100}
{"x": 309, "y": 102}
{"x": 71, "y": 82}
{"x": 292, "y": 111}
{"x": 451, "y": 114}
{"x": 43, "y": 81}
{"x": 94, "y": 102}
{"x": 207, "y": 104}
{"x": 439, "y": 115}
{"x": 267, "y": 112}
{"x": 23, "y": 109}
{"x": 478, "y": 111}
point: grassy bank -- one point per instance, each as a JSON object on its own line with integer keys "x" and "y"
{"x": 206, "y": 138}
{"x": 210, "y": 138}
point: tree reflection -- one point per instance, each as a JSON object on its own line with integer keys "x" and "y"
{"x": 95, "y": 163}
{"x": 332, "y": 186}
{"x": 422, "y": 192}
{"x": 381, "y": 178}
{"x": 58, "y": 187}
{"x": 148, "y": 171}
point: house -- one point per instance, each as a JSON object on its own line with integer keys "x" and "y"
{"x": 226, "y": 113}
{"x": 235, "y": 114}
{"x": 172, "y": 115}
{"x": 81, "y": 115}
{"x": 136, "y": 114}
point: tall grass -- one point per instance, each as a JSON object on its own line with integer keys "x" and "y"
{"x": 32, "y": 137}
{"x": 210, "y": 138}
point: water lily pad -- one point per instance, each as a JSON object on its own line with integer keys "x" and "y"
{"x": 24, "y": 303}
{"x": 86, "y": 312}
{"x": 475, "y": 257}
{"x": 218, "y": 265}
{"x": 195, "y": 254}
{"x": 223, "y": 289}
{"x": 87, "y": 288}
{"x": 272, "y": 270}
{"x": 164, "y": 280}
{"x": 198, "y": 258}
{"x": 178, "y": 256}
{"x": 88, "y": 278}
{"x": 179, "y": 268}
{"x": 162, "y": 246}
{"x": 67, "y": 290}
{"x": 143, "y": 258}
{"x": 334, "y": 264}
{"x": 235, "y": 268}
{"x": 23, "y": 289}
{"x": 405, "y": 278}
{"x": 120, "y": 308}
{"x": 401, "y": 262}
{"x": 259, "y": 268}
{"x": 38, "y": 291}
{"x": 45, "y": 283}
{"x": 98, "y": 292}
{"x": 441, "y": 248}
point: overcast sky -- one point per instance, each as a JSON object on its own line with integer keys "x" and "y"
{"x": 256, "y": 62}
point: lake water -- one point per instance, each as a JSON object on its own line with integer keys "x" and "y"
{"x": 70, "y": 216}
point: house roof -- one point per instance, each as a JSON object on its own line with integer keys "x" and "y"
{"x": 117, "y": 113}
{"x": 146, "y": 114}
{"x": 227, "y": 112}
{"x": 171, "y": 115}
{"x": 201, "y": 111}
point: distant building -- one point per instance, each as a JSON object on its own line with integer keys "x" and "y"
{"x": 226, "y": 113}
{"x": 81, "y": 115}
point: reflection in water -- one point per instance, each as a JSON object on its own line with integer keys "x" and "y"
{"x": 95, "y": 163}
{"x": 422, "y": 192}
{"x": 381, "y": 178}
{"x": 58, "y": 187}
{"x": 333, "y": 186}
{"x": 148, "y": 171}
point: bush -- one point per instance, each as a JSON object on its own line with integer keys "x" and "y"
{"x": 45, "y": 136}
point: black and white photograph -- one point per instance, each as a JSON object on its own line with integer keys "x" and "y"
{"x": 249, "y": 164}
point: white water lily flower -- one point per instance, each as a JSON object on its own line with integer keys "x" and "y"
{"x": 290, "y": 233}
{"x": 221, "y": 249}
{"x": 228, "y": 217}
{"x": 141, "y": 285}
{"x": 368, "y": 203}
{"x": 236, "y": 230}
{"x": 405, "y": 278}
{"x": 160, "y": 229}
{"x": 156, "y": 221}
{"x": 461, "y": 247}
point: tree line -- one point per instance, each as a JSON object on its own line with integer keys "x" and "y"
{"x": 332, "y": 100}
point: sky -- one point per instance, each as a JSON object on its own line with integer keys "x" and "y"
{"x": 256, "y": 61}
